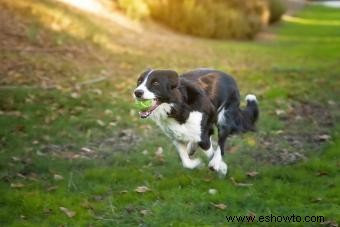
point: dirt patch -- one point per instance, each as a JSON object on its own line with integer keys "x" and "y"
{"x": 289, "y": 148}
{"x": 307, "y": 128}
{"x": 123, "y": 141}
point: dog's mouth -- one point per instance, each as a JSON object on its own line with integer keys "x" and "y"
{"x": 146, "y": 113}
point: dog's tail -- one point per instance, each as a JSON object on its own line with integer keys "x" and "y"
{"x": 251, "y": 113}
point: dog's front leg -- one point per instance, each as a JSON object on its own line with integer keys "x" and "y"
{"x": 191, "y": 148}
{"x": 183, "y": 152}
{"x": 217, "y": 164}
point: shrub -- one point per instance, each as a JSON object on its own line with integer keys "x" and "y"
{"x": 210, "y": 18}
{"x": 276, "y": 8}
{"x": 136, "y": 9}
{"x": 238, "y": 19}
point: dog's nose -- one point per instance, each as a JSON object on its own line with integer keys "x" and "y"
{"x": 139, "y": 93}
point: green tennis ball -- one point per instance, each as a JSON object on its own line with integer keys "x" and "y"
{"x": 143, "y": 105}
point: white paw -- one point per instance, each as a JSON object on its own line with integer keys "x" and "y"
{"x": 192, "y": 163}
{"x": 223, "y": 169}
{"x": 219, "y": 166}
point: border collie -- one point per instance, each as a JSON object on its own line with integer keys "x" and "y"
{"x": 187, "y": 107}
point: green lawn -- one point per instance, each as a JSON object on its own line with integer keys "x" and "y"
{"x": 87, "y": 151}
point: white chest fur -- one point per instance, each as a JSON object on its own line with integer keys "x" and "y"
{"x": 188, "y": 131}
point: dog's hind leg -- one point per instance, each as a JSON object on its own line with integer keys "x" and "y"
{"x": 216, "y": 163}
{"x": 184, "y": 155}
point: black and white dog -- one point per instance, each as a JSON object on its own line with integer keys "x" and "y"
{"x": 187, "y": 108}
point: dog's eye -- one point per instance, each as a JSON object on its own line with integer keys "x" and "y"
{"x": 139, "y": 82}
{"x": 155, "y": 83}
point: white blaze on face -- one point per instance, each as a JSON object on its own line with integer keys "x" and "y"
{"x": 147, "y": 94}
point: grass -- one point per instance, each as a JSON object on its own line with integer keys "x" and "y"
{"x": 42, "y": 133}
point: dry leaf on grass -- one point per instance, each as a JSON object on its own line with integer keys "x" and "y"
{"x": 239, "y": 184}
{"x": 316, "y": 200}
{"x": 145, "y": 212}
{"x": 58, "y": 177}
{"x": 251, "y": 217}
{"x": 329, "y": 223}
{"x": 52, "y": 188}
{"x": 16, "y": 159}
{"x": 212, "y": 191}
{"x": 323, "y": 137}
{"x": 220, "y": 206}
{"x": 69, "y": 213}
{"x": 100, "y": 123}
{"x": 252, "y": 174}
{"x": 17, "y": 185}
{"x": 321, "y": 173}
{"x": 142, "y": 189}
{"x": 159, "y": 156}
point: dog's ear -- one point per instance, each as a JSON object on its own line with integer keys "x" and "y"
{"x": 173, "y": 79}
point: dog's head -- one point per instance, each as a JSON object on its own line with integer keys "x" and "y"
{"x": 156, "y": 85}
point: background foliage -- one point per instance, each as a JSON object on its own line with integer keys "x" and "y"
{"x": 214, "y": 18}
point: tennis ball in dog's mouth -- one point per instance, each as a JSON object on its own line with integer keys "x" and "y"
{"x": 143, "y": 104}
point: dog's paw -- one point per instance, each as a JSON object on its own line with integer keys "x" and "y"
{"x": 219, "y": 166}
{"x": 223, "y": 169}
{"x": 192, "y": 164}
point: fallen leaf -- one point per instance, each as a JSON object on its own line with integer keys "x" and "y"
{"x": 323, "y": 137}
{"x": 329, "y": 223}
{"x": 52, "y": 188}
{"x": 75, "y": 95}
{"x": 39, "y": 153}
{"x": 11, "y": 113}
{"x": 108, "y": 112}
{"x": 240, "y": 184}
{"x": 280, "y": 112}
{"x": 33, "y": 177}
{"x": 220, "y": 206}
{"x": 251, "y": 217}
{"x": 16, "y": 159}
{"x": 331, "y": 102}
{"x": 212, "y": 191}
{"x": 97, "y": 91}
{"x": 47, "y": 211}
{"x": 112, "y": 124}
{"x": 17, "y": 185}
{"x": 317, "y": 199}
{"x": 252, "y": 174}
{"x": 69, "y": 213}
{"x": 321, "y": 173}
{"x": 86, "y": 205}
{"x": 100, "y": 122}
{"x": 142, "y": 189}
{"x": 159, "y": 155}
{"x": 87, "y": 150}
{"x": 58, "y": 177}
{"x": 145, "y": 212}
